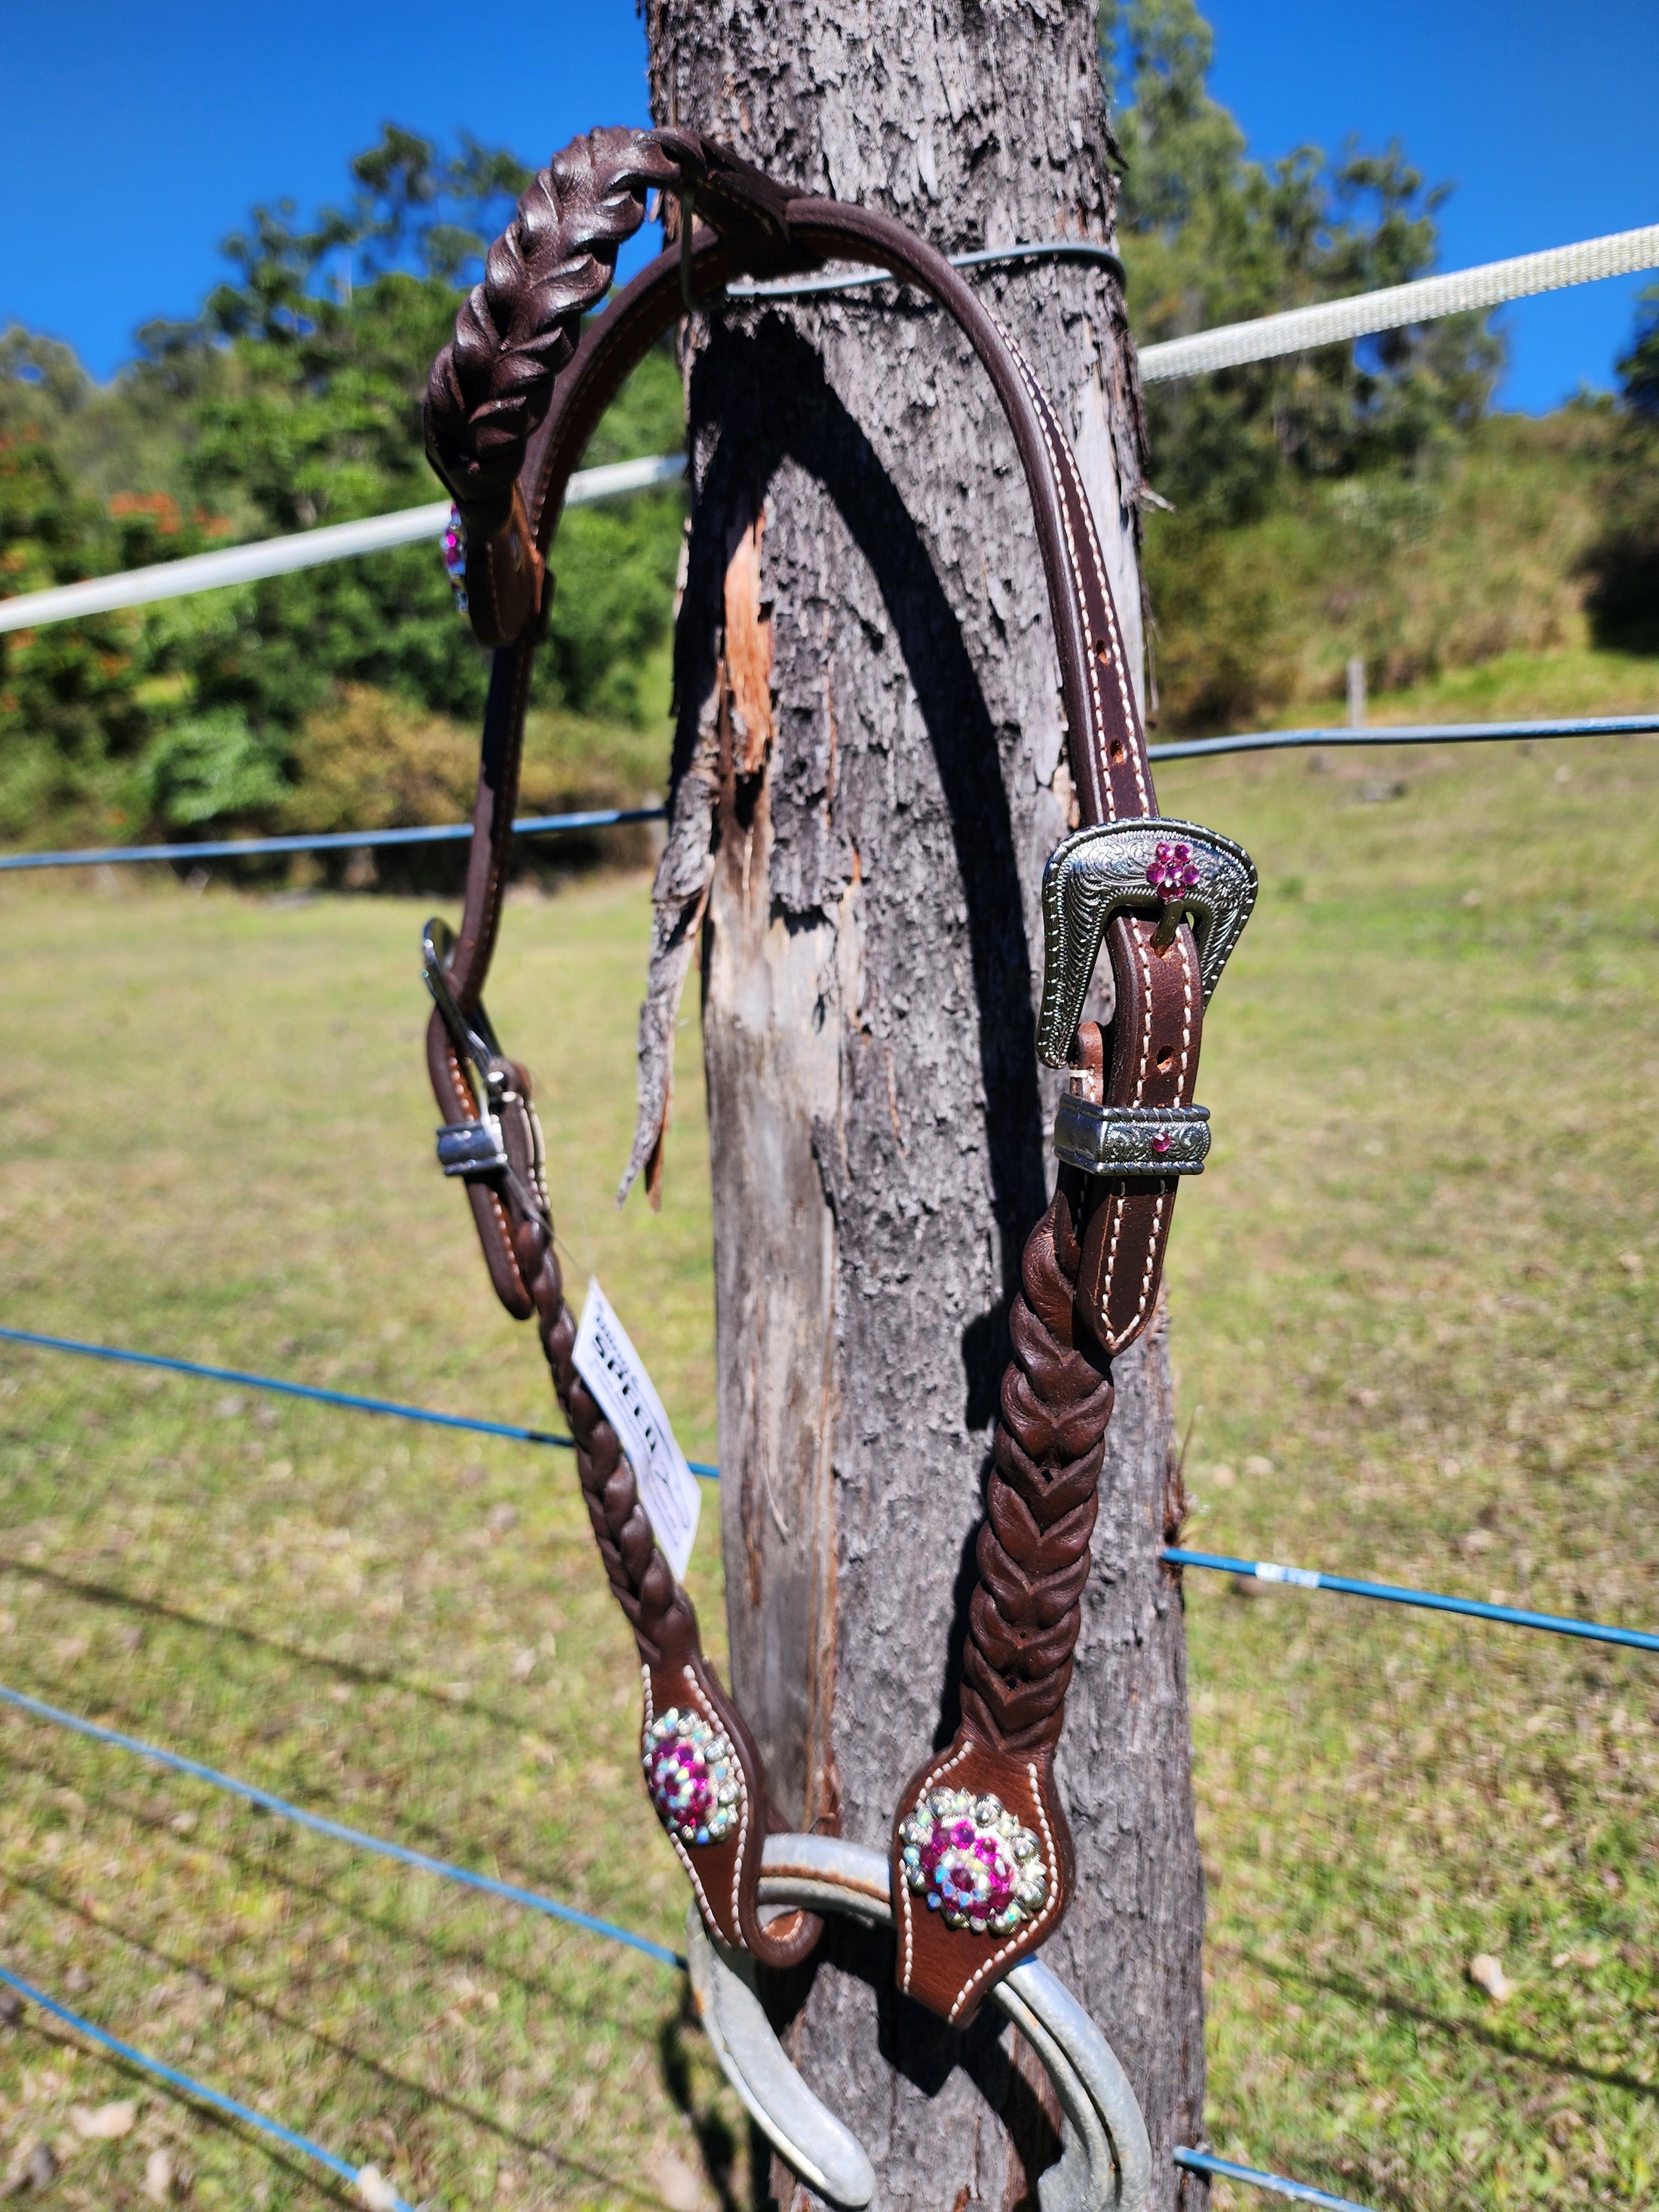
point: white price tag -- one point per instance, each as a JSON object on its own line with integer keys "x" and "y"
{"x": 616, "y": 1374}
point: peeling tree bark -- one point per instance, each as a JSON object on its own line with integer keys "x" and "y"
{"x": 868, "y": 779}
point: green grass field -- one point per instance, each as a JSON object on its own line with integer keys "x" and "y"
{"x": 1414, "y": 1321}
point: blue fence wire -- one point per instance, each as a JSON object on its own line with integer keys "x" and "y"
{"x": 1553, "y": 1624}
{"x": 1409, "y": 733}
{"x": 358, "y": 1838}
{"x": 334, "y": 841}
{"x": 199, "y": 2091}
{"x": 547, "y": 825}
{"x": 348, "y": 1399}
{"x": 1302, "y": 2192}
{"x": 423, "y": 1862}
{"x": 550, "y": 825}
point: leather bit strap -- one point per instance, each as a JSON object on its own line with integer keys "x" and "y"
{"x": 982, "y": 1854}
{"x": 507, "y": 453}
{"x": 511, "y": 403}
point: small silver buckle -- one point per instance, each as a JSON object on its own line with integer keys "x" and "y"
{"x": 1131, "y": 1140}
{"x": 475, "y": 1150}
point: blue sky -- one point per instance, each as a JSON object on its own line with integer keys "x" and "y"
{"x": 135, "y": 138}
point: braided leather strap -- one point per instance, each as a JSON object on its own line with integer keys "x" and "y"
{"x": 677, "y": 1679}
{"x": 724, "y": 1866}
{"x": 490, "y": 387}
{"x": 980, "y": 1842}
{"x": 1033, "y": 1549}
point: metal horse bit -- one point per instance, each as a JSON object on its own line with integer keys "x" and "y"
{"x": 1106, "y": 2163}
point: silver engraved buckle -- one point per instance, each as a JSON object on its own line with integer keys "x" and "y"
{"x": 1151, "y": 865}
{"x": 1118, "y": 1140}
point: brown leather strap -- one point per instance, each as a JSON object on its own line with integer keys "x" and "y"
{"x": 511, "y": 404}
{"x": 970, "y": 1906}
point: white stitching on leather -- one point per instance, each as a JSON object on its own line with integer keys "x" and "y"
{"x": 1102, "y": 748}
{"x": 1024, "y": 1938}
{"x": 1124, "y": 1335}
{"x": 464, "y": 1090}
{"x": 1093, "y": 543}
{"x": 1040, "y": 407}
{"x": 1117, "y": 1206}
{"x": 719, "y": 1726}
{"x": 942, "y": 1768}
{"x": 1040, "y": 399}
{"x": 1145, "y": 959}
{"x": 680, "y": 1851}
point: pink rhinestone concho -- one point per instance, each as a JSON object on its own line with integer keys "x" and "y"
{"x": 693, "y": 1775}
{"x": 972, "y": 1861}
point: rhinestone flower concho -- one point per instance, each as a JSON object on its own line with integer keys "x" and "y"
{"x": 972, "y": 1861}
{"x": 693, "y": 1775}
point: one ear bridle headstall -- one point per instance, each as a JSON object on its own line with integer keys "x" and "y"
{"x": 980, "y": 1855}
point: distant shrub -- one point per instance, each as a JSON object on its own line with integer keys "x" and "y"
{"x": 1621, "y": 566}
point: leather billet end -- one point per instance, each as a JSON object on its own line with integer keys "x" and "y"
{"x": 982, "y": 1870}
{"x": 505, "y": 571}
{"x": 704, "y": 1777}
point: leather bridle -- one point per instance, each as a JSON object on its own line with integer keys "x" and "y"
{"x": 982, "y": 1856}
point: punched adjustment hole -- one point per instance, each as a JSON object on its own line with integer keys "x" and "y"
{"x": 1118, "y": 753}
{"x": 1165, "y": 1061}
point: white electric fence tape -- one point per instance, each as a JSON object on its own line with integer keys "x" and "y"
{"x": 1296, "y": 331}
{"x": 625, "y": 1394}
{"x": 1299, "y": 329}
{"x": 306, "y": 549}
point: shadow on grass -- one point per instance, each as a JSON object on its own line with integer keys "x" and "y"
{"x": 61, "y": 2038}
{"x": 714, "y": 2138}
{"x": 411, "y": 1829}
{"x": 266, "y": 1865}
{"x": 350, "y": 1670}
{"x": 418, "y": 2095}
{"x": 1363, "y": 1995}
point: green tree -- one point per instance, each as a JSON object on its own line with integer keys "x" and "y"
{"x": 293, "y": 400}
{"x": 1210, "y": 236}
{"x": 72, "y": 715}
{"x": 317, "y": 417}
{"x": 65, "y": 694}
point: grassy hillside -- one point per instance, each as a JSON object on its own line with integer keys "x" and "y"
{"x": 1413, "y": 1317}
{"x": 1483, "y": 553}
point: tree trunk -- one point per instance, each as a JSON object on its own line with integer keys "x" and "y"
{"x": 870, "y": 747}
